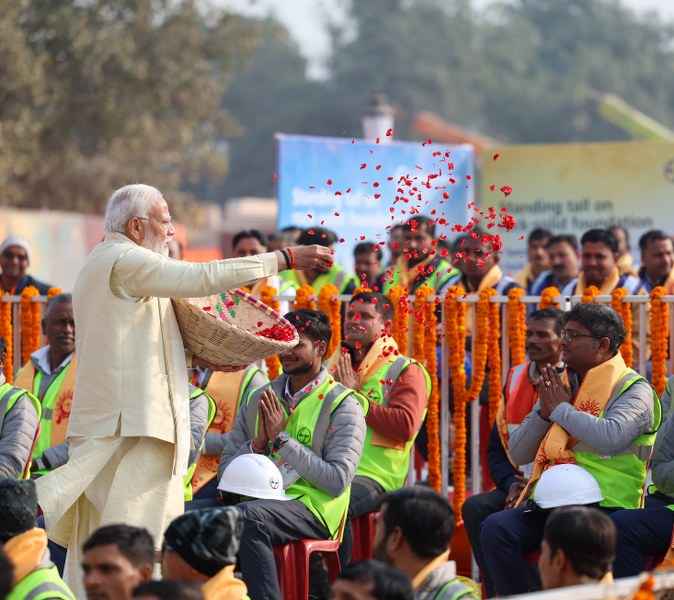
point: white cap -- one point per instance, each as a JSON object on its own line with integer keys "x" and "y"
{"x": 566, "y": 485}
{"x": 15, "y": 240}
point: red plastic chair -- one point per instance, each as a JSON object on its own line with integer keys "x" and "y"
{"x": 363, "y": 529}
{"x": 292, "y": 564}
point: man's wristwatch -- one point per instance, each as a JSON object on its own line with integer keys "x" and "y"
{"x": 281, "y": 440}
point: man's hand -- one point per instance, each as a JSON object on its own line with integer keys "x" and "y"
{"x": 345, "y": 374}
{"x": 274, "y": 417}
{"x": 313, "y": 257}
{"x": 261, "y": 440}
{"x": 202, "y": 362}
{"x": 515, "y": 490}
{"x": 552, "y": 392}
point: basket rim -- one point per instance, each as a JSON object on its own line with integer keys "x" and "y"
{"x": 258, "y": 304}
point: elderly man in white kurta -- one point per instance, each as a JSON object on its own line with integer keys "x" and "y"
{"x": 129, "y": 423}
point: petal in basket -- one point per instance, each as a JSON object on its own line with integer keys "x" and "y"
{"x": 232, "y": 328}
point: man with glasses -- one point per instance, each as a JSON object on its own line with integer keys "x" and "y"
{"x": 129, "y": 428}
{"x": 600, "y": 415}
{"x": 14, "y": 262}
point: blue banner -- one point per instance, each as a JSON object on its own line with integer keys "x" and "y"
{"x": 357, "y": 188}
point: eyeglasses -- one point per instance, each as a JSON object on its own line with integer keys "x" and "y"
{"x": 569, "y": 336}
{"x": 166, "y": 223}
{"x": 12, "y": 255}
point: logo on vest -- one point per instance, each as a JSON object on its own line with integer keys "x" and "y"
{"x": 304, "y": 435}
{"x": 273, "y": 483}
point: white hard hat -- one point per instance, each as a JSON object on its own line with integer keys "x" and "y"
{"x": 566, "y": 485}
{"x": 255, "y": 476}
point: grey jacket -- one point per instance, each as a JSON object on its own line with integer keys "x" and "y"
{"x": 17, "y": 433}
{"x": 625, "y": 419}
{"x": 333, "y": 470}
{"x": 663, "y": 459}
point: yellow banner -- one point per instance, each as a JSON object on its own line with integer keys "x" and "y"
{"x": 570, "y": 188}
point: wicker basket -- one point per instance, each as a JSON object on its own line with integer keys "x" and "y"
{"x": 233, "y": 341}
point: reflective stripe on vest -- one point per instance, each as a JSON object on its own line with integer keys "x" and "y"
{"x": 41, "y": 584}
{"x": 188, "y": 493}
{"x": 387, "y": 463}
{"x": 453, "y": 590}
{"x": 621, "y": 476}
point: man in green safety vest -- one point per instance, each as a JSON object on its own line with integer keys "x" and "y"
{"x": 344, "y": 281}
{"x": 397, "y": 389}
{"x": 19, "y": 418}
{"x": 599, "y": 415}
{"x": 50, "y": 375}
{"x": 414, "y": 533}
{"x": 35, "y": 576}
{"x": 421, "y": 260}
{"x": 313, "y": 428}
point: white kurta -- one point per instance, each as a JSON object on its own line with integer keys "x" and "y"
{"x": 129, "y": 423}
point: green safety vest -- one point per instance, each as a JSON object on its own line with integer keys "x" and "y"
{"x": 621, "y": 476}
{"x": 9, "y": 395}
{"x": 387, "y": 466}
{"x": 41, "y": 584}
{"x": 48, "y": 404}
{"x": 309, "y": 424}
{"x": 436, "y": 280}
{"x": 212, "y": 409}
{"x": 455, "y": 589}
{"x": 335, "y": 276}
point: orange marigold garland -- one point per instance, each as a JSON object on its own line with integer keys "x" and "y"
{"x": 273, "y": 363}
{"x": 333, "y": 308}
{"x": 427, "y": 318}
{"x": 659, "y": 338}
{"x": 517, "y": 326}
{"x": 399, "y": 329}
{"x": 495, "y": 386}
{"x": 53, "y": 291}
{"x": 455, "y": 320}
{"x": 624, "y": 309}
{"x": 547, "y": 297}
{"x": 418, "y": 325}
{"x": 30, "y": 323}
{"x": 589, "y": 293}
{"x": 303, "y": 298}
{"x": 7, "y": 331}
{"x": 480, "y": 344}
{"x": 361, "y": 290}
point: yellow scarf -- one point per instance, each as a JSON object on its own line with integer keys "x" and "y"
{"x": 669, "y": 283}
{"x": 525, "y": 276}
{"x": 382, "y": 352}
{"x": 26, "y": 551}
{"x": 592, "y": 395}
{"x": 490, "y": 279}
{"x": 407, "y": 274}
{"x": 607, "y": 287}
{"x": 224, "y": 586}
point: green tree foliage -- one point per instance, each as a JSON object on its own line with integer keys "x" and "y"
{"x": 272, "y": 95}
{"x": 421, "y": 53}
{"x": 99, "y": 93}
{"x": 543, "y": 56}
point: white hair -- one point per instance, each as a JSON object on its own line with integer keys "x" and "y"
{"x": 127, "y": 202}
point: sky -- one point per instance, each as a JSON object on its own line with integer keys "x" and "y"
{"x": 306, "y": 21}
